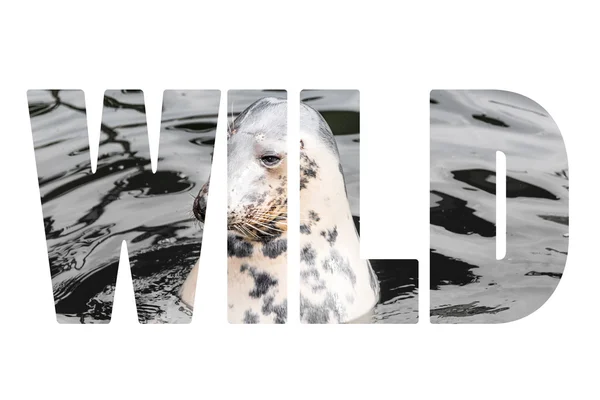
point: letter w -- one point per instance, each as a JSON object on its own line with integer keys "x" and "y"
{"x": 87, "y": 215}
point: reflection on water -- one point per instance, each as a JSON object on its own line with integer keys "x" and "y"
{"x": 87, "y": 216}
{"x": 468, "y": 284}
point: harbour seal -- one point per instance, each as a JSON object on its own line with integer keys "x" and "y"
{"x": 336, "y": 285}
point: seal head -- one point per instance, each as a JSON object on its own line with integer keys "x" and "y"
{"x": 336, "y": 285}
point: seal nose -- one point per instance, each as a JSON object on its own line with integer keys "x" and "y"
{"x": 199, "y": 212}
{"x": 199, "y": 207}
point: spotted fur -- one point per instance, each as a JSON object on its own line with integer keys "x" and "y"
{"x": 336, "y": 285}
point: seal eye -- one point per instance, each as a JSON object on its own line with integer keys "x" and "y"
{"x": 270, "y": 160}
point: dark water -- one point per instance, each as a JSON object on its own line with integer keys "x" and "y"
{"x": 468, "y": 284}
{"x": 87, "y": 216}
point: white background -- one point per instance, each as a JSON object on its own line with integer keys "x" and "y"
{"x": 394, "y": 55}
